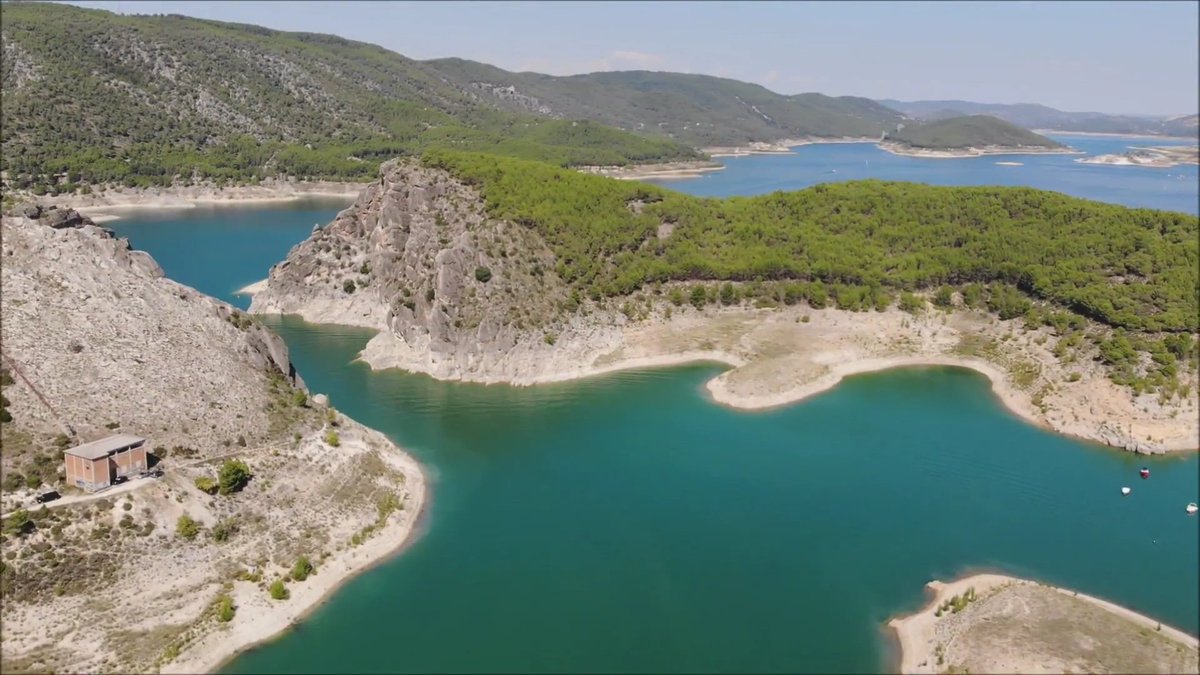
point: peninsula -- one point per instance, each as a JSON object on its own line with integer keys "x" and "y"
{"x": 1157, "y": 157}
{"x": 990, "y": 623}
{"x": 486, "y": 269}
{"x": 971, "y": 136}
{"x": 268, "y": 497}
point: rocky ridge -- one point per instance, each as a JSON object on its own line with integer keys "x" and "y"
{"x": 455, "y": 294}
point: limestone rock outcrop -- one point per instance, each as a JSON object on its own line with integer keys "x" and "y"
{"x": 454, "y": 293}
{"x": 100, "y": 339}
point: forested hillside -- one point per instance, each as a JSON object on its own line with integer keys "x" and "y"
{"x": 95, "y": 97}
{"x": 976, "y": 131}
{"x": 698, "y": 109}
{"x": 101, "y": 97}
{"x": 857, "y": 243}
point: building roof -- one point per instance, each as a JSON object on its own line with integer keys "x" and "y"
{"x": 105, "y": 446}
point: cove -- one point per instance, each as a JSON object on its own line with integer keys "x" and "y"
{"x": 625, "y": 523}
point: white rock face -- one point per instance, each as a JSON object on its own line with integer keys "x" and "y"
{"x": 454, "y": 293}
{"x": 103, "y": 337}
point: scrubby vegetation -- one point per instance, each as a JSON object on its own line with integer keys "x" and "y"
{"x": 858, "y": 242}
{"x": 186, "y": 527}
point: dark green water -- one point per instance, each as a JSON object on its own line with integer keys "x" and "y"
{"x": 626, "y": 524}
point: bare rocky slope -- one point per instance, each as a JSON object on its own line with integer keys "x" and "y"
{"x": 454, "y": 293}
{"x": 97, "y": 341}
{"x": 458, "y": 295}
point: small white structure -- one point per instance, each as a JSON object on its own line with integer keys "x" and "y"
{"x": 1192, "y": 508}
{"x": 1125, "y": 490}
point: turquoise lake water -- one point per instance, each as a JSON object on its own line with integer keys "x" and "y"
{"x": 1173, "y": 189}
{"x": 624, "y": 523}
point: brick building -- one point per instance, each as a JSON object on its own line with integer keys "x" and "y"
{"x": 94, "y": 466}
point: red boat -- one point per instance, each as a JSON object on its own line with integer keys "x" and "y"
{"x": 1145, "y": 472}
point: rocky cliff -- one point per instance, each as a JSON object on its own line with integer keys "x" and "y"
{"x": 454, "y": 293}
{"x": 167, "y": 573}
{"x": 97, "y": 338}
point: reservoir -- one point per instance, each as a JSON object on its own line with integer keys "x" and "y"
{"x": 625, "y": 523}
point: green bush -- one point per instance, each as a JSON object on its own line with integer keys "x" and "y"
{"x": 482, "y": 274}
{"x": 332, "y": 439}
{"x": 19, "y": 523}
{"x": 944, "y": 297}
{"x": 911, "y": 303}
{"x": 233, "y": 476}
{"x": 186, "y": 527}
{"x": 224, "y": 530}
{"x": 302, "y": 568}
{"x": 207, "y": 484}
{"x": 348, "y": 286}
{"x": 279, "y": 590}
{"x": 225, "y": 609}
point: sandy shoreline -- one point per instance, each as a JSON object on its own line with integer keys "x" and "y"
{"x": 965, "y": 153}
{"x": 109, "y": 204}
{"x": 260, "y": 620}
{"x": 252, "y": 289}
{"x": 916, "y": 635}
{"x": 781, "y": 147}
{"x": 1108, "y": 135}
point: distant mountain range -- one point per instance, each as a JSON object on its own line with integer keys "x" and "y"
{"x": 1035, "y": 116}
{"x": 700, "y": 110}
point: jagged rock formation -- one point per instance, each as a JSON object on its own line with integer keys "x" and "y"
{"x": 455, "y": 293}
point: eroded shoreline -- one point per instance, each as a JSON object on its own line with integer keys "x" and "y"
{"x": 966, "y": 153}
{"x": 777, "y": 359}
{"x": 923, "y": 636}
{"x": 110, "y": 204}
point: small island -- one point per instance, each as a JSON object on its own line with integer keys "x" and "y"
{"x": 1156, "y": 157}
{"x": 991, "y": 623}
{"x": 968, "y": 136}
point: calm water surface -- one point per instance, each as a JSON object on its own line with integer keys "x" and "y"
{"x": 626, "y": 524}
{"x": 1173, "y": 189}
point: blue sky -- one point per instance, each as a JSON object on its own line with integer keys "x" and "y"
{"x": 1117, "y": 57}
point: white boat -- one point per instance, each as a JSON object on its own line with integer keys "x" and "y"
{"x": 1125, "y": 490}
{"x": 1192, "y": 508}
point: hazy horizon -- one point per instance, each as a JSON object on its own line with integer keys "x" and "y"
{"x": 1065, "y": 55}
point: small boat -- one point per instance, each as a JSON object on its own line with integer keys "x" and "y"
{"x": 1125, "y": 490}
{"x": 1145, "y": 473}
{"x": 1192, "y": 508}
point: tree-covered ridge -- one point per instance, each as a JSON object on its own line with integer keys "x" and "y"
{"x": 1131, "y": 268}
{"x": 698, "y": 109}
{"x": 144, "y": 99}
{"x": 975, "y": 131}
